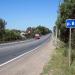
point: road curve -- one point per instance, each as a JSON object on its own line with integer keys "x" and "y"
{"x": 8, "y": 52}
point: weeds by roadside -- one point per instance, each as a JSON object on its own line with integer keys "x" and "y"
{"x": 58, "y": 65}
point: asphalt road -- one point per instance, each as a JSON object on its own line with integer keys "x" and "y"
{"x": 10, "y": 51}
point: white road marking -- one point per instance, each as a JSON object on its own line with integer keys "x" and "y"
{"x": 21, "y": 55}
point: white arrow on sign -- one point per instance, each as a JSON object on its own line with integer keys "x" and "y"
{"x": 73, "y": 23}
{"x": 68, "y": 24}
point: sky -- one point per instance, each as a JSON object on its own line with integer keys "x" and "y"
{"x": 21, "y": 14}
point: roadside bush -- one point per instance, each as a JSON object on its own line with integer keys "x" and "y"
{"x": 10, "y": 35}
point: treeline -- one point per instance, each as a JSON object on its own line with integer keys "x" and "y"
{"x": 11, "y": 35}
{"x": 66, "y": 11}
{"x": 7, "y": 35}
{"x": 31, "y": 31}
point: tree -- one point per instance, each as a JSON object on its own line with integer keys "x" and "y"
{"x": 42, "y": 30}
{"x": 66, "y": 11}
{"x": 11, "y": 35}
{"x": 2, "y": 28}
{"x": 31, "y": 31}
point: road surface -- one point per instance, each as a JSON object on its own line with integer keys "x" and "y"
{"x": 8, "y": 52}
{"x": 31, "y": 63}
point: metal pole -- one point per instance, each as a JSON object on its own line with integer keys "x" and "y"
{"x": 56, "y": 32}
{"x": 56, "y": 36}
{"x": 69, "y": 52}
{"x": 59, "y": 33}
{"x": 53, "y": 36}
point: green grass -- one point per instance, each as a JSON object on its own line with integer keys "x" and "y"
{"x": 58, "y": 65}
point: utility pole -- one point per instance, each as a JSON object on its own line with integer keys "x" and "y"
{"x": 56, "y": 36}
{"x": 56, "y": 32}
{"x": 59, "y": 12}
{"x": 53, "y": 35}
{"x": 59, "y": 33}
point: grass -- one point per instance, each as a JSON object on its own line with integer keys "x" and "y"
{"x": 58, "y": 65}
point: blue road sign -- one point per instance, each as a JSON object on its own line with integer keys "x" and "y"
{"x": 70, "y": 23}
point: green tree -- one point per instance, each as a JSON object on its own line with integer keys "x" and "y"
{"x": 31, "y": 31}
{"x": 66, "y": 11}
{"x": 2, "y": 28}
{"x": 42, "y": 30}
{"x": 11, "y": 35}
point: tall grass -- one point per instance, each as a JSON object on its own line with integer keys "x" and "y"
{"x": 58, "y": 65}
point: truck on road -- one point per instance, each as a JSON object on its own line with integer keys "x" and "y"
{"x": 37, "y": 36}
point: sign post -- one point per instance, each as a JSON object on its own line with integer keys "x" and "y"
{"x": 70, "y": 23}
{"x": 69, "y": 53}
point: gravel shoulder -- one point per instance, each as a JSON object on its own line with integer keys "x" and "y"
{"x": 31, "y": 63}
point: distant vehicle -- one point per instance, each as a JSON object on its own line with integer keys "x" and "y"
{"x": 37, "y": 36}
